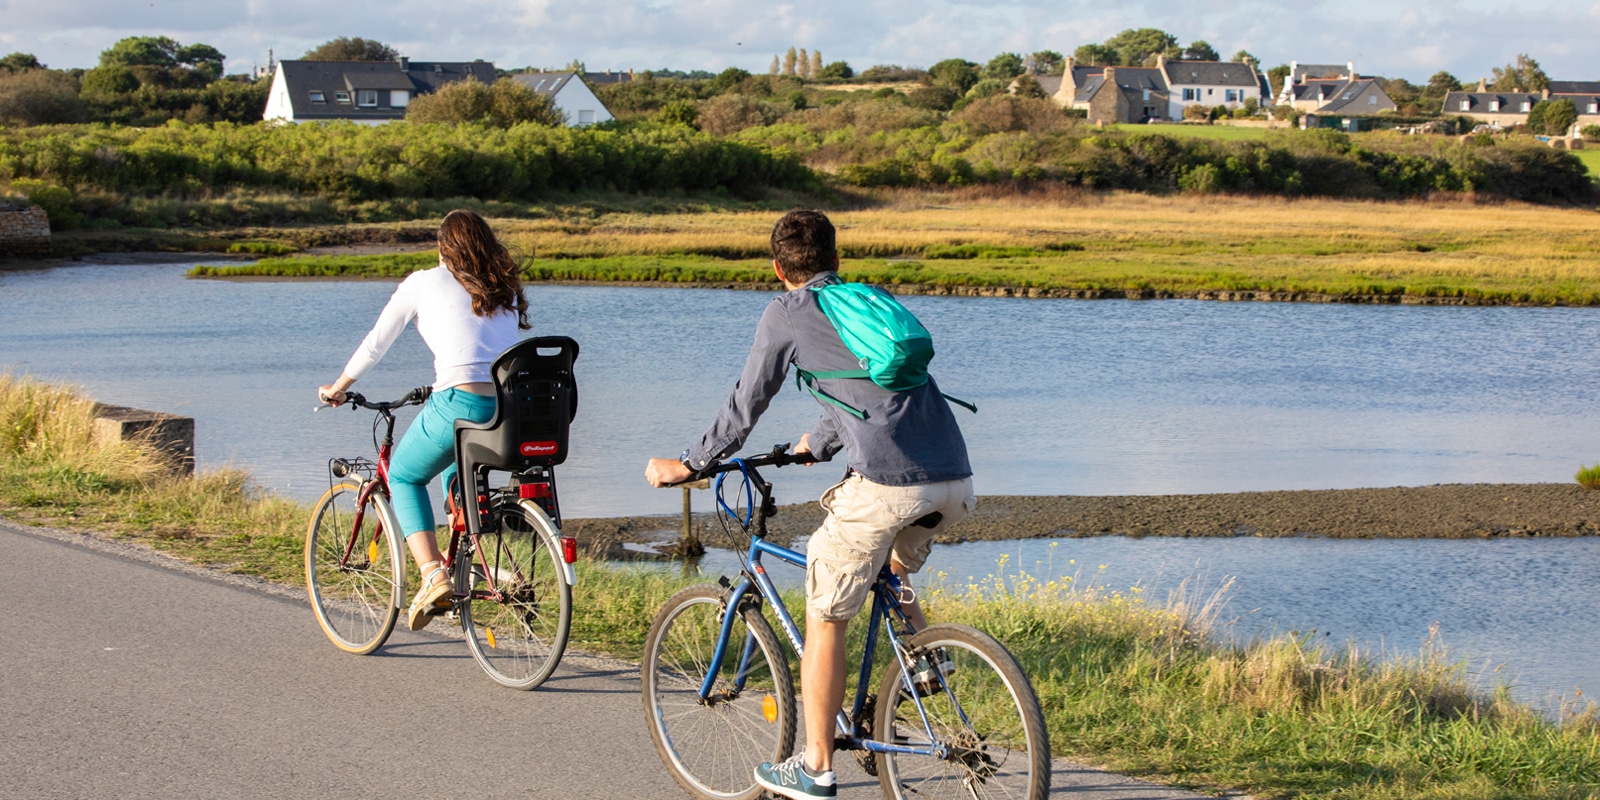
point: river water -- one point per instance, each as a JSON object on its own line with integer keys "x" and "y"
{"x": 1102, "y": 397}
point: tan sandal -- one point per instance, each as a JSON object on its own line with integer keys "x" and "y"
{"x": 432, "y": 598}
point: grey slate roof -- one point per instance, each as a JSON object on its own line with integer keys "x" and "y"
{"x": 1314, "y": 71}
{"x": 1575, "y": 87}
{"x": 545, "y": 83}
{"x": 302, "y": 78}
{"x": 1354, "y": 98}
{"x": 1209, "y": 73}
{"x": 1479, "y": 102}
{"x": 1049, "y": 83}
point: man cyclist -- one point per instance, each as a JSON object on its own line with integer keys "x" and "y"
{"x": 907, "y": 480}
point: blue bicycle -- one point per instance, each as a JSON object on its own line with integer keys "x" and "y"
{"x": 953, "y": 716}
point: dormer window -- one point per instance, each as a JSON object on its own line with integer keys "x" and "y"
{"x": 1466, "y": 105}
{"x": 343, "y": 98}
{"x": 1526, "y": 105}
{"x": 1594, "y": 108}
{"x": 367, "y": 98}
{"x": 1494, "y": 105}
{"x": 318, "y": 97}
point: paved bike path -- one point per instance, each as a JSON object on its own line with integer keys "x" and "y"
{"x": 127, "y": 674}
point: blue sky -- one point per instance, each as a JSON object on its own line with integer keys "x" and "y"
{"x": 1398, "y": 39}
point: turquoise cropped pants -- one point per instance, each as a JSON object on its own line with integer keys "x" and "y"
{"x": 428, "y": 449}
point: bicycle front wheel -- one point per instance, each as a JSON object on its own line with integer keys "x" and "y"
{"x": 713, "y": 744}
{"x": 354, "y": 574}
{"x": 983, "y": 713}
{"x": 518, "y": 610}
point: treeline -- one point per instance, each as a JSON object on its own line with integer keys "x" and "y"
{"x": 100, "y": 166}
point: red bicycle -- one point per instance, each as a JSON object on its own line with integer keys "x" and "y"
{"x": 510, "y": 563}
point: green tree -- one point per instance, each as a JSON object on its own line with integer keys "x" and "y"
{"x": 104, "y": 83}
{"x": 346, "y": 48}
{"x": 1003, "y": 67}
{"x": 1275, "y": 78}
{"x": 237, "y": 99}
{"x": 815, "y": 70}
{"x": 1199, "y": 50}
{"x": 1406, "y": 95}
{"x": 802, "y": 67}
{"x": 837, "y": 71}
{"x": 1243, "y": 56}
{"x": 773, "y": 70}
{"x": 955, "y": 74}
{"x": 790, "y": 59}
{"x": 1095, "y": 55}
{"x": 1522, "y": 76}
{"x": 1046, "y": 62}
{"x": 678, "y": 112}
{"x": 17, "y": 62}
{"x": 1431, "y": 98}
{"x": 144, "y": 51}
{"x": 1556, "y": 117}
{"x": 202, "y": 58}
{"x": 39, "y": 97}
{"x": 729, "y": 80}
{"x": 1028, "y": 86}
{"x": 506, "y": 103}
{"x": 1135, "y": 47}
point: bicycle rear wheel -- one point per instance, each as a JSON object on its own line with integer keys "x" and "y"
{"x": 356, "y": 599}
{"x": 518, "y": 610}
{"x": 712, "y": 746}
{"x": 984, "y": 711}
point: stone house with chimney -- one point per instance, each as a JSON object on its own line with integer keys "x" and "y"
{"x": 367, "y": 92}
{"x": 1508, "y": 109}
{"x": 1331, "y": 90}
{"x": 1161, "y": 92}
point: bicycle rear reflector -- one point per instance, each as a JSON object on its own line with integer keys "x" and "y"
{"x": 569, "y": 549}
{"x": 534, "y": 491}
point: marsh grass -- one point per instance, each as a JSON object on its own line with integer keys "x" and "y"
{"x": 1142, "y": 687}
{"x": 1158, "y": 246}
{"x": 1588, "y": 477}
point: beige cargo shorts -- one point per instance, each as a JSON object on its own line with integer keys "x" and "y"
{"x": 866, "y": 523}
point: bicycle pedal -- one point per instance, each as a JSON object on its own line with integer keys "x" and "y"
{"x": 868, "y": 761}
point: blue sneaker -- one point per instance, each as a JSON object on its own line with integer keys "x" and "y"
{"x": 791, "y": 779}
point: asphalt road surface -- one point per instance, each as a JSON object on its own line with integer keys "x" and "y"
{"x": 126, "y": 674}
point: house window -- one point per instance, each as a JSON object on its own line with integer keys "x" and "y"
{"x": 342, "y": 97}
{"x": 318, "y": 97}
{"x": 1191, "y": 94}
{"x": 367, "y": 98}
{"x": 1372, "y": 100}
{"x": 1526, "y": 105}
{"x": 1494, "y": 105}
{"x": 1210, "y": 92}
{"x": 1594, "y": 108}
{"x": 1147, "y": 95}
{"x": 399, "y": 98}
{"x": 1466, "y": 105}
{"x": 586, "y": 117}
{"x": 1230, "y": 95}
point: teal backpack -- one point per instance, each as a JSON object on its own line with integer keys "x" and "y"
{"x": 892, "y": 346}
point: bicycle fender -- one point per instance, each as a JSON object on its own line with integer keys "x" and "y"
{"x": 391, "y": 528}
{"x": 568, "y": 573}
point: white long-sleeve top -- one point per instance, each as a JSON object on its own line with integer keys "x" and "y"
{"x": 464, "y": 345}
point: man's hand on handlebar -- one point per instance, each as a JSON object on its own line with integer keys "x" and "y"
{"x": 666, "y": 472}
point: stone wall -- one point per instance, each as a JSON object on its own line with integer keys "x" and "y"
{"x": 24, "y": 231}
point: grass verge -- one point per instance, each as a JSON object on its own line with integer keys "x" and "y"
{"x": 1142, "y": 688}
{"x": 1083, "y": 245}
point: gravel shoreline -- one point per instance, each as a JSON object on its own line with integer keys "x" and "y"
{"x": 1451, "y": 511}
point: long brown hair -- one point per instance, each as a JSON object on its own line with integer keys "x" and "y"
{"x": 483, "y": 265}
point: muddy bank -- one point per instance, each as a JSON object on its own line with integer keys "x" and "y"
{"x": 1457, "y": 511}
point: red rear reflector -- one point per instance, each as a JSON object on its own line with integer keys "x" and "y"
{"x": 537, "y": 491}
{"x": 569, "y": 549}
{"x": 538, "y": 448}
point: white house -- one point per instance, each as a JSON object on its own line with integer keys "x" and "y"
{"x": 368, "y": 92}
{"x": 1209, "y": 84}
{"x": 570, "y": 93}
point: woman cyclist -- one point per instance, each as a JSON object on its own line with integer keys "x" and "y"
{"x": 469, "y": 309}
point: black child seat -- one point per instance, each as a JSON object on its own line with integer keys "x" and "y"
{"x": 536, "y": 399}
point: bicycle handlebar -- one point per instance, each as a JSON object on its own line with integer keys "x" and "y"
{"x": 778, "y": 457}
{"x": 414, "y": 397}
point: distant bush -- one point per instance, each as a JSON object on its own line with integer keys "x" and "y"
{"x": 1588, "y": 477}
{"x": 39, "y": 97}
{"x": 1590, "y": 132}
{"x": 506, "y": 103}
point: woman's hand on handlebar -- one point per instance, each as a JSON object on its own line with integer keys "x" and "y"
{"x": 328, "y": 395}
{"x": 666, "y": 472}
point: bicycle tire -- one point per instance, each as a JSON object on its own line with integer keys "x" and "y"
{"x": 517, "y": 624}
{"x": 712, "y": 749}
{"x": 356, "y": 605}
{"x": 1001, "y": 750}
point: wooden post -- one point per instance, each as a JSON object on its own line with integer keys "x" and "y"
{"x": 689, "y": 544}
{"x": 170, "y": 434}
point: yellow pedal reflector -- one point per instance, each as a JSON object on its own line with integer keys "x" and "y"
{"x": 769, "y": 708}
{"x": 488, "y": 633}
{"x": 372, "y": 551}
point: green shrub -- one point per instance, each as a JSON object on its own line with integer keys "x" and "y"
{"x": 1588, "y": 477}
{"x": 56, "y": 202}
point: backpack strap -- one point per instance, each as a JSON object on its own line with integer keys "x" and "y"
{"x": 809, "y": 379}
{"x": 964, "y": 404}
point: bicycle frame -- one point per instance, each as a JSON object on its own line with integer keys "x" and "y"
{"x": 885, "y": 608}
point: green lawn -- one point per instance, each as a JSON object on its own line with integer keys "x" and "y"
{"x": 1227, "y": 132}
{"x": 1590, "y": 159}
